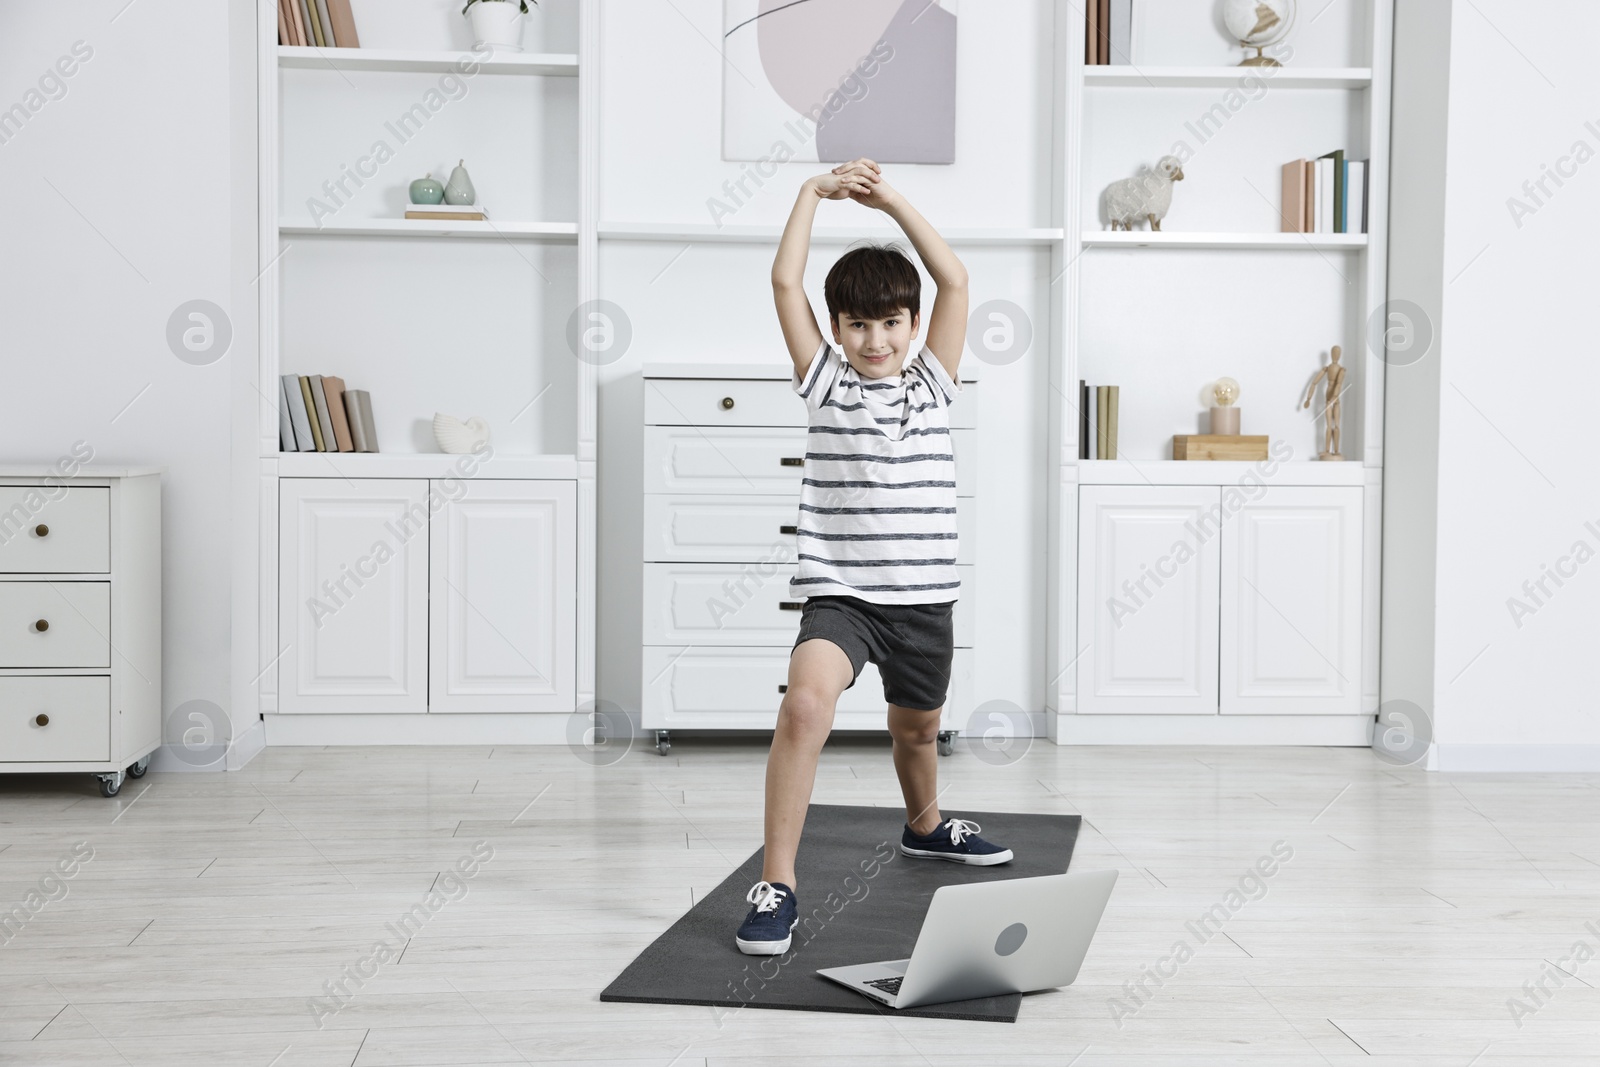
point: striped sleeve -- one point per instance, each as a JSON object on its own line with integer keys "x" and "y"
{"x": 934, "y": 371}
{"x": 819, "y": 377}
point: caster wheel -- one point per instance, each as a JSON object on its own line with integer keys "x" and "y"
{"x": 138, "y": 769}
{"x": 947, "y": 740}
{"x": 663, "y": 742}
{"x": 111, "y": 784}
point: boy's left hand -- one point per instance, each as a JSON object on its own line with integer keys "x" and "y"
{"x": 879, "y": 193}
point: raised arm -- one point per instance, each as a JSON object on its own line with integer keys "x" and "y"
{"x": 947, "y": 322}
{"x": 800, "y": 331}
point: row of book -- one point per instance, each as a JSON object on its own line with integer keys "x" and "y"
{"x": 320, "y": 415}
{"x": 1110, "y": 37}
{"x": 1325, "y": 195}
{"x": 317, "y": 23}
{"x": 1097, "y": 420}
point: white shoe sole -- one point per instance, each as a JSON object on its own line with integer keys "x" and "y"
{"x": 766, "y": 948}
{"x": 975, "y": 861}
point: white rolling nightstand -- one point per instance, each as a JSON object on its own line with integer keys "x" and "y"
{"x": 724, "y": 448}
{"x": 80, "y": 621}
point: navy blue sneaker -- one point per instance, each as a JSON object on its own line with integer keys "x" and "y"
{"x": 957, "y": 840}
{"x": 773, "y": 913}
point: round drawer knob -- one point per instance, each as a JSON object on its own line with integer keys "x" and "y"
{"x": 42, "y": 720}
{"x": 727, "y": 403}
{"x": 41, "y": 626}
{"x": 42, "y": 530}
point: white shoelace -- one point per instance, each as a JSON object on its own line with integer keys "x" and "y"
{"x": 765, "y": 896}
{"x": 959, "y": 828}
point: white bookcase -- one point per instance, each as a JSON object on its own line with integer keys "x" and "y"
{"x": 481, "y": 629}
{"x": 1270, "y": 634}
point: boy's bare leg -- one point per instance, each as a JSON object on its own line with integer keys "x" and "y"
{"x": 819, "y": 671}
{"x": 916, "y": 761}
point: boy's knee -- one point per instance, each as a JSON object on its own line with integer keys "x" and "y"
{"x": 807, "y": 710}
{"x": 920, "y": 728}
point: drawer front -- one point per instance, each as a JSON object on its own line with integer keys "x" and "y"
{"x": 70, "y": 535}
{"x": 76, "y": 618}
{"x": 78, "y": 714}
{"x": 741, "y": 688}
{"x": 745, "y": 460}
{"x": 745, "y": 529}
{"x": 736, "y": 402}
{"x": 738, "y": 604}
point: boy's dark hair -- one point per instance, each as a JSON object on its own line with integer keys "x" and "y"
{"x": 872, "y": 282}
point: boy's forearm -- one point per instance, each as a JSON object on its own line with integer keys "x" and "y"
{"x": 947, "y": 270}
{"x": 789, "y": 267}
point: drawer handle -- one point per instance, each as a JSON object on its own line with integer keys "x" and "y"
{"x": 793, "y": 461}
{"x": 41, "y": 626}
{"x": 782, "y": 688}
{"x": 727, "y": 403}
{"x": 791, "y": 605}
{"x": 41, "y": 530}
{"x": 42, "y": 720}
{"x": 788, "y": 529}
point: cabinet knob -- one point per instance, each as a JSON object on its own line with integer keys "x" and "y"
{"x": 791, "y": 605}
{"x": 781, "y": 688}
{"x": 41, "y": 530}
{"x": 42, "y": 720}
{"x": 791, "y": 461}
{"x": 727, "y": 403}
{"x": 41, "y": 626}
{"x": 788, "y": 529}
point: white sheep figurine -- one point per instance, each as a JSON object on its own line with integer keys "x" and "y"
{"x": 1147, "y": 195}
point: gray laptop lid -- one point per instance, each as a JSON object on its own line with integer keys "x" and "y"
{"x": 1012, "y": 935}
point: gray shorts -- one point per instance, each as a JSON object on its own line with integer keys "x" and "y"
{"x": 912, "y": 644}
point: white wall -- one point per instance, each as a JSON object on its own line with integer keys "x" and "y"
{"x": 1513, "y": 382}
{"x": 121, "y": 199}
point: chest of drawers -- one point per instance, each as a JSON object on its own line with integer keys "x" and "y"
{"x": 80, "y": 621}
{"x": 724, "y": 449}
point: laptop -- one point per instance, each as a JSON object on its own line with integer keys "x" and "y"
{"x": 984, "y": 939}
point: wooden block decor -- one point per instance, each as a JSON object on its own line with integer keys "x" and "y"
{"x": 1219, "y": 446}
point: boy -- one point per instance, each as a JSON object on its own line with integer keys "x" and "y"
{"x": 877, "y": 530}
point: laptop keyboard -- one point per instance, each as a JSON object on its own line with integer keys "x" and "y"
{"x": 888, "y": 985}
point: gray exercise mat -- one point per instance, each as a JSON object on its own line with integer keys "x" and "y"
{"x": 860, "y": 901}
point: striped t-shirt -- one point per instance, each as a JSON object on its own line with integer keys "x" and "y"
{"x": 878, "y": 496}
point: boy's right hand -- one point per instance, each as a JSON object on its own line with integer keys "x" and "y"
{"x": 857, "y": 176}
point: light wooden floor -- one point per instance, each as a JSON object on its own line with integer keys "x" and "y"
{"x": 1413, "y": 908}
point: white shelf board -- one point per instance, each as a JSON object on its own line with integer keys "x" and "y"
{"x": 760, "y": 233}
{"x": 422, "y": 465}
{"x": 558, "y": 231}
{"x": 559, "y": 64}
{"x": 1218, "y": 472}
{"x": 1179, "y": 239}
{"x": 1220, "y": 77}
{"x": 42, "y": 470}
{"x": 779, "y": 369}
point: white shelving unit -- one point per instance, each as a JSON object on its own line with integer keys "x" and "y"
{"x": 1162, "y": 314}
{"x": 464, "y": 315}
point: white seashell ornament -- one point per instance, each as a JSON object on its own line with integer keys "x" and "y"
{"x": 457, "y": 437}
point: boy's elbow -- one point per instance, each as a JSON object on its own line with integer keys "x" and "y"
{"x": 956, "y": 279}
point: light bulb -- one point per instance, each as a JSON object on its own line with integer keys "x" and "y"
{"x": 1226, "y": 390}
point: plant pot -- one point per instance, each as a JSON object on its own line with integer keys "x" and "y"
{"x": 496, "y": 24}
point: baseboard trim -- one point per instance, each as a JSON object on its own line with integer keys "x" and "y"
{"x": 1523, "y": 759}
{"x": 1353, "y": 731}
{"x": 247, "y": 746}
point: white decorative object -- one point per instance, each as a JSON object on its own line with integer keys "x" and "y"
{"x": 1258, "y": 24}
{"x": 457, "y": 437}
{"x": 1144, "y": 197}
{"x": 497, "y": 24}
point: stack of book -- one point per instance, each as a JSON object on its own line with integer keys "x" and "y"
{"x": 447, "y": 212}
{"x": 317, "y": 23}
{"x": 1325, "y": 195}
{"x": 1109, "y": 41}
{"x": 1097, "y": 420}
{"x": 320, "y": 415}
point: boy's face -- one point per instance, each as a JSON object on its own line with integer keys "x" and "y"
{"x": 876, "y": 348}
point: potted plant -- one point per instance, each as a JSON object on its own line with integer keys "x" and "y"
{"x": 497, "y": 23}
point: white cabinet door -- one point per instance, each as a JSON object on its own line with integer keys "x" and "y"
{"x": 1147, "y": 599}
{"x": 353, "y": 595}
{"x": 1291, "y": 603}
{"x": 503, "y": 590}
